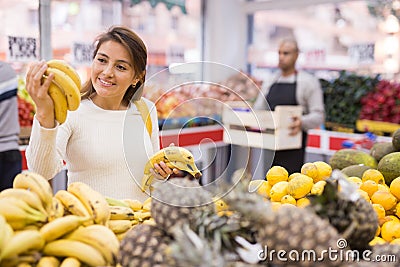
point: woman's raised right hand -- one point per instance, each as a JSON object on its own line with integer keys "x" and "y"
{"x": 37, "y": 88}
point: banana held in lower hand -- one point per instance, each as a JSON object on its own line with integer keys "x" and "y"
{"x": 61, "y": 226}
{"x": 174, "y": 157}
{"x": 22, "y": 241}
{"x": 72, "y": 248}
{"x": 95, "y": 203}
{"x": 72, "y": 92}
{"x": 37, "y": 184}
{"x": 60, "y": 103}
{"x": 99, "y": 237}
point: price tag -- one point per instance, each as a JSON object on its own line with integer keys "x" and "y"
{"x": 82, "y": 53}
{"x": 22, "y": 49}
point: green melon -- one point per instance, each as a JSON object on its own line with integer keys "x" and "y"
{"x": 347, "y": 157}
{"x": 396, "y": 139}
{"x": 355, "y": 170}
{"x": 381, "y": 149}
{"x": 389, "y": 166}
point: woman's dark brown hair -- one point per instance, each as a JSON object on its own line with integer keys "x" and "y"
{"x": 138, "y": 53}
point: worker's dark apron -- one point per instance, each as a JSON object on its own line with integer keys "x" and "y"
{"x": 285, "y": 94}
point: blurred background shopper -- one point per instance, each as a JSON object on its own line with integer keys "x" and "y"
{"x": 290, "y": 86}
{"x": 10, "y": 156}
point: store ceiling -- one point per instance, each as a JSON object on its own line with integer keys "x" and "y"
{"x": 253, "y": 6}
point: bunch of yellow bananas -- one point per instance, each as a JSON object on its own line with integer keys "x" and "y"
{"x": 127, "y": 213}
{"x": 69, "y": 228}
{"x": 174, "y": 157}
{"x": 65, "y": 88}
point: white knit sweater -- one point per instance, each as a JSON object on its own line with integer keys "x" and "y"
{"x": 105, "y": 149}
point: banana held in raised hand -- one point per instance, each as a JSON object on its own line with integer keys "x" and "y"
{"x": 174, "y": 157}
{"x": 70, "y": 262}
{"x": 66, "y": 68}
{"x": 61, "y": 226}
{"x": 22, "y": 241}
{"x": 64, "y": 82}
{"x": 37, "y": 184}
{"x": 100, "y": 237}
{"x": 72, "y": 203}
{"x": 31, "y": 198}
{"x": 48, "y": 261}
{"x": 60, "y": 103}
{"x": 72, "y": 248}
{"x": 94, "y": 202}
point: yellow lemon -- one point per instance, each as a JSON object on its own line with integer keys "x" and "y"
{"x": 395, "y": 187}
{"x": 380, "y": 211}
{"x": 262, "y": 187}
{"x": 395, "y": 241}
{"x": 392, "y": 218}
{"x": 386, "y": 199}
{"x": 276, "y": 174}
{"x": 293, "y": 175}
{"x": 377, "y": 241}
{"x": 383, "y": 187}
{"x": 390, "y": 230}
{"x": 369, "y": 186}
{"x": 364, "y": 195}
{"x": 300, "y": 186}
{"x": 318, "y": 188}
{"x": 302, "y": 202}
{"x": 355, "y": 180}
{"x": 278, "y": 190}
{"x": 288, "y": 199}
{"x": 374, "y": 175}
{"x": 397, "y": 210}
{"x": 310, "y": 170}
{"x": 324, "y": 170}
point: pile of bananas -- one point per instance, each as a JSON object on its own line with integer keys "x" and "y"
{"x": 174, "y": 157}
{"x": 127, "y": 213}
{"x": 64, "y": 89}
{"x": 74, "y": 227}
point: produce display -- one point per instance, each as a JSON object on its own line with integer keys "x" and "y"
{"x": 343, "y": 98}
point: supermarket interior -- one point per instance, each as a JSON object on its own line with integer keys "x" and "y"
{"x": 208, "y": 62}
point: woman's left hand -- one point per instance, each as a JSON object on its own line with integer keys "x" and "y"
{"x": 162, "y": 171}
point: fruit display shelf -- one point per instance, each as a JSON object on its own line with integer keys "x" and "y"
{"x": 377, "y": 127}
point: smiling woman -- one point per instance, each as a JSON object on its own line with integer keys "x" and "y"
{"x": 92, "y": 141}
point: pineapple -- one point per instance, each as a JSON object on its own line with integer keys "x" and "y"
{"x": 288, "y": 229}
{"x": 349, "y": 213}
{"x": 175, "y": 202}
{"x": 145, "y": 245}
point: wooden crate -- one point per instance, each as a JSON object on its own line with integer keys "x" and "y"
{"x": 260, "y": 128}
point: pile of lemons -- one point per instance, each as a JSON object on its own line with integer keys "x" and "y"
{"x": 281, "y": 188}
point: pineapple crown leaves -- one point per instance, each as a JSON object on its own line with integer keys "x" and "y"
{"x": 190, "y": 249}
